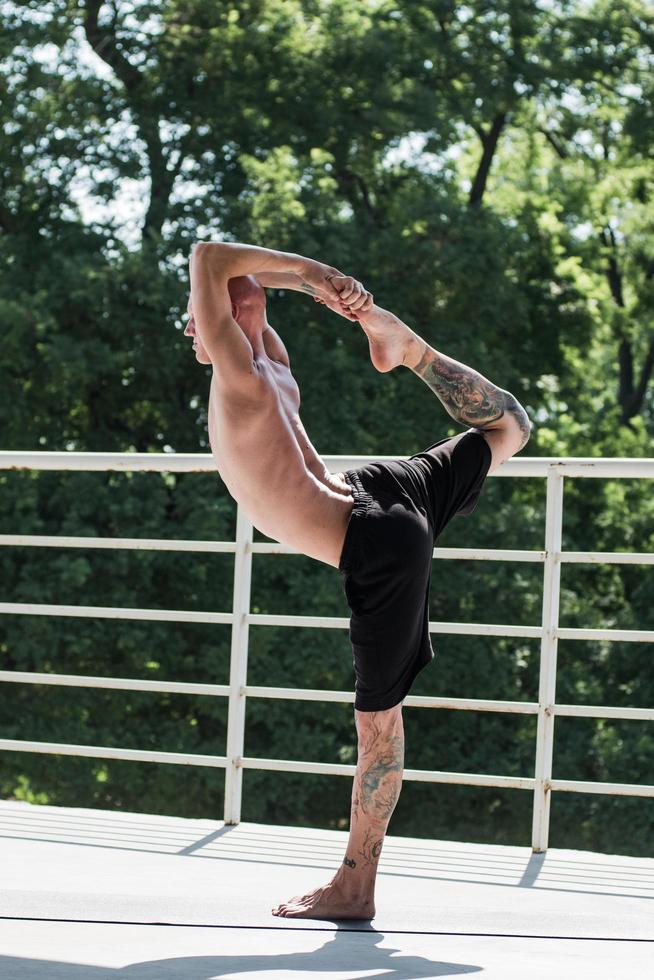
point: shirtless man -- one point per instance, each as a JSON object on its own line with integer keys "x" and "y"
{"x": 377, "y": 524}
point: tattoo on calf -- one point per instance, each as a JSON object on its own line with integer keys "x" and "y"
{"x": 384, "y": 805}
{"x": 371, "y": 848}
{"x": 354, "y": 810}
{"x": 349, "y": 862}
{"x": 388, "y": 763}
{"x": 467, "y": 396}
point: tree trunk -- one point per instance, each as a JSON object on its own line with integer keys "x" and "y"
{"x": 489, "y": 139}
{"x": 630, "y": 396}
{"x": 104, "y": 42}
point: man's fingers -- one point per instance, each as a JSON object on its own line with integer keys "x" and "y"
{"x": 353, "y": 294}
{"x": 361, "y": 302}
{"x": 352, "y": 298}
{"x": 331, "y": 288}
{"x": 350, "y": 290}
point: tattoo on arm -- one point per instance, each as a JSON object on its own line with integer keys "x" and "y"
{"x": 304, "y": 287}
{"x": 467, "y": 396}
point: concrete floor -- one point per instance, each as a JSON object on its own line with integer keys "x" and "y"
{"x": 89, "y": 894}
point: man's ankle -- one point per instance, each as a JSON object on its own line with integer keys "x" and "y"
{"x": 355, "y": 887}
{"x": 415, "y": 349}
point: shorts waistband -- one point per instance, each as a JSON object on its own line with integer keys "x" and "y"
{"x": 362, "y": 502}
{"x": 362, "y": 499}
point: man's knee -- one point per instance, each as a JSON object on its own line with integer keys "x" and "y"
{"x": 378, "y": 722}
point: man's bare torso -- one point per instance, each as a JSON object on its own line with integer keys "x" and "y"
{"x": 268, "y": 464}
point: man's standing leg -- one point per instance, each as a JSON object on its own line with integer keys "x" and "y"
{"x": 377, "y": 782}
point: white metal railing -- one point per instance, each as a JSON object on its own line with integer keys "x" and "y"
{"x": 554, "y": 470}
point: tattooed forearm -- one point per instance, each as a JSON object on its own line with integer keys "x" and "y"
{"x": 304, "y": 287}
{"x": 467, "y": 395}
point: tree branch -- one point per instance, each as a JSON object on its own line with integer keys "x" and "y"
{"x": 489, "y": 139}
{"x": 613, "y": 273}
{"x": 626, "y": 379}
{"x": 560, "y": 151}
{"x": 105, "y": 43}
{"x": 348, "y": 180}
{"x": 634, "y": 404}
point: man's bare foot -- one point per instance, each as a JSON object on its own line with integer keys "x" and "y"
{"x": 328, "y": 902}
{"x": 391, "y": 342}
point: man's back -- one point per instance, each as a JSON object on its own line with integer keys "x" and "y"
{"x": 267, "y": 462}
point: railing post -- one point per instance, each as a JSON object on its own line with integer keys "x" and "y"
{"x": 548, "y": 654}
{"x": 238, "y": 668}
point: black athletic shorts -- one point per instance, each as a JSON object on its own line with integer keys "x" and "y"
{"x": 400, "y": 508}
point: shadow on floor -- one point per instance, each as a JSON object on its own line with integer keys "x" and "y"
{"x": 343, "y": 952}
{"x": 613, "y": 876}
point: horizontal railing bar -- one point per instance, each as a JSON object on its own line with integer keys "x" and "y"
{"x": 411, "y": 701}
{"x": 489, "y": 554}
{"x": 610, "y": 467}
{"x": 611, "y": 789}
{"x": 469, "y": 779}
{"x": 253, "y": 619}
{"x": 136, "y": 544}
{"x": 276, "y": 765}
{"x": 324, "y": 768}
{"x": 615, "y": 468}
{"x": 607, "y": 557}
{"x": 599, "y": 711}
{"x": 472, "y": 704}
{"x": 420, "y": 775}
{"x": 629, "y": 636}
{"x": 311, "y": 694}
{"x": 474, "y": 554}
{"x": 110, "y": 462}
{"x": 273, "y": 548}
{"x": 526, "y": 466}
{"x": 328, "y": 622}
{"x": 486, "y": 629}
{"x": 114, "y": 612}
{"x": 103, "y": 752}
{"x": 340, "y": 622}
{"x": 297, "y": 694}
{"x": 113, "y": 683}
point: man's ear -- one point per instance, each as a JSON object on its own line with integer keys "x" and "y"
{"x": 234, "y": 310}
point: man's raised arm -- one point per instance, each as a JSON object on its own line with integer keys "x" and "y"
{"x": 228, "y": 260}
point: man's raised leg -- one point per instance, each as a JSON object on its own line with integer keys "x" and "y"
{"x": 377, "y": 782}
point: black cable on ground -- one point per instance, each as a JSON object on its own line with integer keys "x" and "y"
{"x": 335, "y": 928}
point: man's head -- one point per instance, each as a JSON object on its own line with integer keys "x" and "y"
{"x": 248, "y": 300}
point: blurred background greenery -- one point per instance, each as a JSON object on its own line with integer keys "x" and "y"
{"x": 486, "y": 169}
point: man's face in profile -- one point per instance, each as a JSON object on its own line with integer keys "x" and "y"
{"x": 190, "y": 331}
